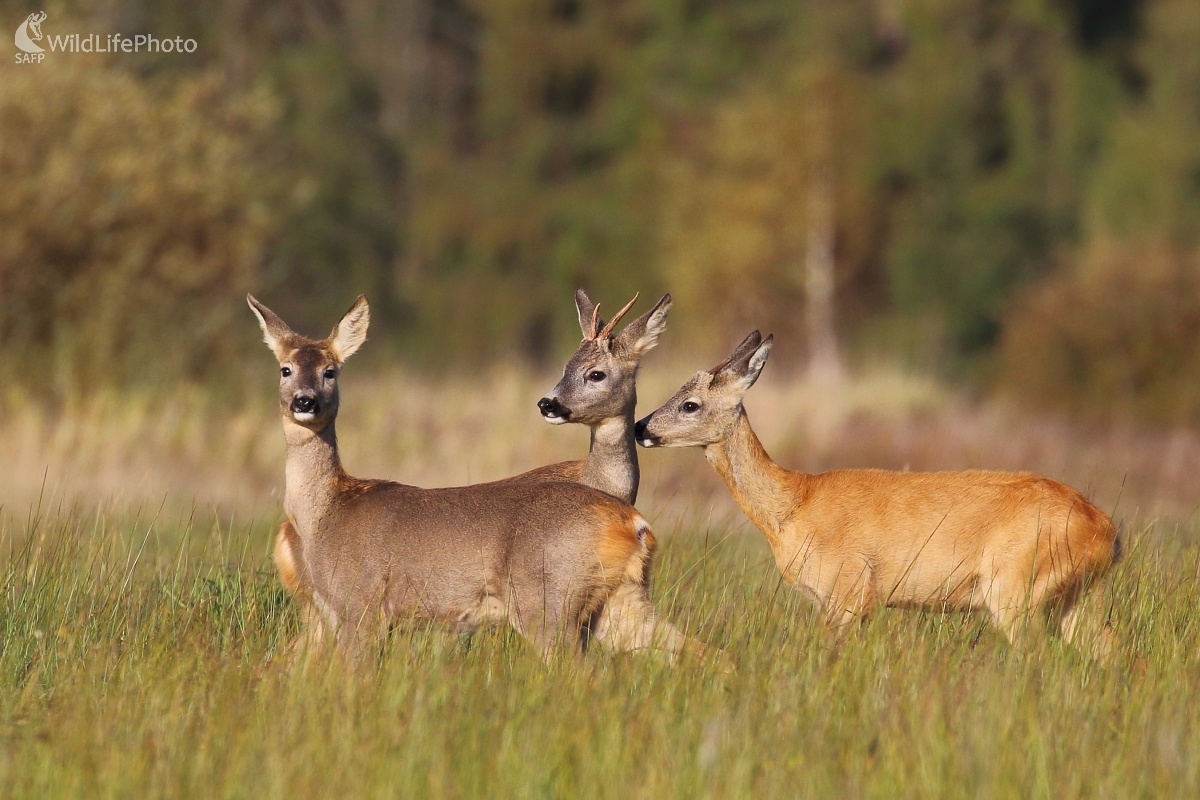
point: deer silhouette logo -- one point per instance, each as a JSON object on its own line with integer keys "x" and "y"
{"x": 30, "y": 32}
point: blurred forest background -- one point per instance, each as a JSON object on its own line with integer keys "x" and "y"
{"x": 1004, "y": 193}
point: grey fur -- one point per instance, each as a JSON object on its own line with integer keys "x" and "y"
{"x": 607, "y": 406}
{"x": 558, "y": 561}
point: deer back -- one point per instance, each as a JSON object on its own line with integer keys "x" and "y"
{"x": 437, "y": 552}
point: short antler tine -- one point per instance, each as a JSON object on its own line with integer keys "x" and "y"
{"x": 612, "y": 323}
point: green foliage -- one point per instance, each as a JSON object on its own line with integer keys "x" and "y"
{"x": 1117, "y": 329}
{"x": 468, "y": 164}
{"x": 342, "y": 235}
{"x": 1147, "y": 187}
{"x": 973, "y": 131}
{"x": 735, "y": 216}
{"x": 133, "y": 219}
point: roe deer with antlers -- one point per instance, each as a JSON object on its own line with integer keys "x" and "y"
{"x": 853, "y": 540}
{"x": 599, "y": 389}
{"x": 552, "y": 559}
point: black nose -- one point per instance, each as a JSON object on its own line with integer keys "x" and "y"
{"x": 304, "y": 404}
{"x": 642, "y": 437}
{"x": 550, "y": 407}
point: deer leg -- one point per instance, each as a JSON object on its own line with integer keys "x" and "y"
{"x": 849, "y": 600}
{"x": 541, "y": 618}
{"x": 629, "y": 623}
{"x": 551, "y": 643}
{"x": 1082, "y": 625}
{"x": 843, "y": 621}
{"x": 359, "y": 632}
{"x": 844, "y": 614}
{"x": 1017, "y": 598}
{"x": 1095, "y": 640}
{"x": 1008, "y": 601}
{"x": 310, "y": 640}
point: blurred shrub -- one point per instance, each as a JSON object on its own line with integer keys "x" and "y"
{"x": 1121, "y": 333}
{"x": 131, "y": 220}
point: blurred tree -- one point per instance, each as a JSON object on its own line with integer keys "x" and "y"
{"x": 541, "y": 194}
{"x": 1120, "y": 336}
{"x": 765, "y": 190}
{"x": 1145, "y": 186}
{"x": 971, "y": 149}
{"x": 913, "y": 164}
{"x": 1119, "y": 326}
{"x": 130, "y": 223}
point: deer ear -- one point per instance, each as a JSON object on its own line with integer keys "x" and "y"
{"x": 349, "y": 334}
{"x": 739, "y": 354}
{"x": 745, "y": 363}
{"x": 276, "y": 333}
{"x": 589, "y": 323}
{"x": 752, "y": 367}
{"x": 642, "y": 334}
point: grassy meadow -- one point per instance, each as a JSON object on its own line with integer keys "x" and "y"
{"x": 1002, "y": 194}
{"x": 142, "y": 620}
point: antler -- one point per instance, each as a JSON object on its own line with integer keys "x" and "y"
{"x": 612, "y": 323}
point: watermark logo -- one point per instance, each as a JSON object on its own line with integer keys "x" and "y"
{"x": 28, "y": 35}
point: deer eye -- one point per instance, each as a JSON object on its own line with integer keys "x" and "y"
{"x": 595, "y": 376}
{"x": 690, "y": 407}
{"x": 285, "y": 371}
{"x": 330, "y": 373}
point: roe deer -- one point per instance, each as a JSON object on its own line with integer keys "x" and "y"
{"x": 555, "y": 560}
{"x": 852, "y": 540}
{"x": 599, "y": 389}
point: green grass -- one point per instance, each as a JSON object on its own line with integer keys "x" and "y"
{"x": 136, "y": 659}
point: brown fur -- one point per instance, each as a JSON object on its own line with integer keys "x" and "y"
{"x": 1012, "y": 544}
{"x": 288, "y": 555}
{"x": 599, "y": 389}
{"x": 553, "y": 559}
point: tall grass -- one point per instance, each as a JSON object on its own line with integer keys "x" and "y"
{"x": 138, "y": 658}
{"x": 141, "y": 622}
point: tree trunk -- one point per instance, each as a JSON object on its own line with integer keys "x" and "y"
{"x": 824, "y": 361}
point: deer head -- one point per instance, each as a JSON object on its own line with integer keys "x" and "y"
{"x": 598, "y": 381}
{"x": 705, "y": 408}
{"x": 308, "y": 369}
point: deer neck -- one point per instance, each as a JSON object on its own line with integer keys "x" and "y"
{"x": 611, "y": 464}
{"x": 757, "y": 484}
{"x": 313, "y": 471}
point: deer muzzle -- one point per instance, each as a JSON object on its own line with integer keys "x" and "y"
{"x": 553, "y": 411}
{"x": 643, "y": 436}
{"x": 304, "y": 407}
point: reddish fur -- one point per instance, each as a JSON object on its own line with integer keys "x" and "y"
{"x": 287, "y": 557}
{"x": 621, "y": 552}
{"x": 1010, "y": 543}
